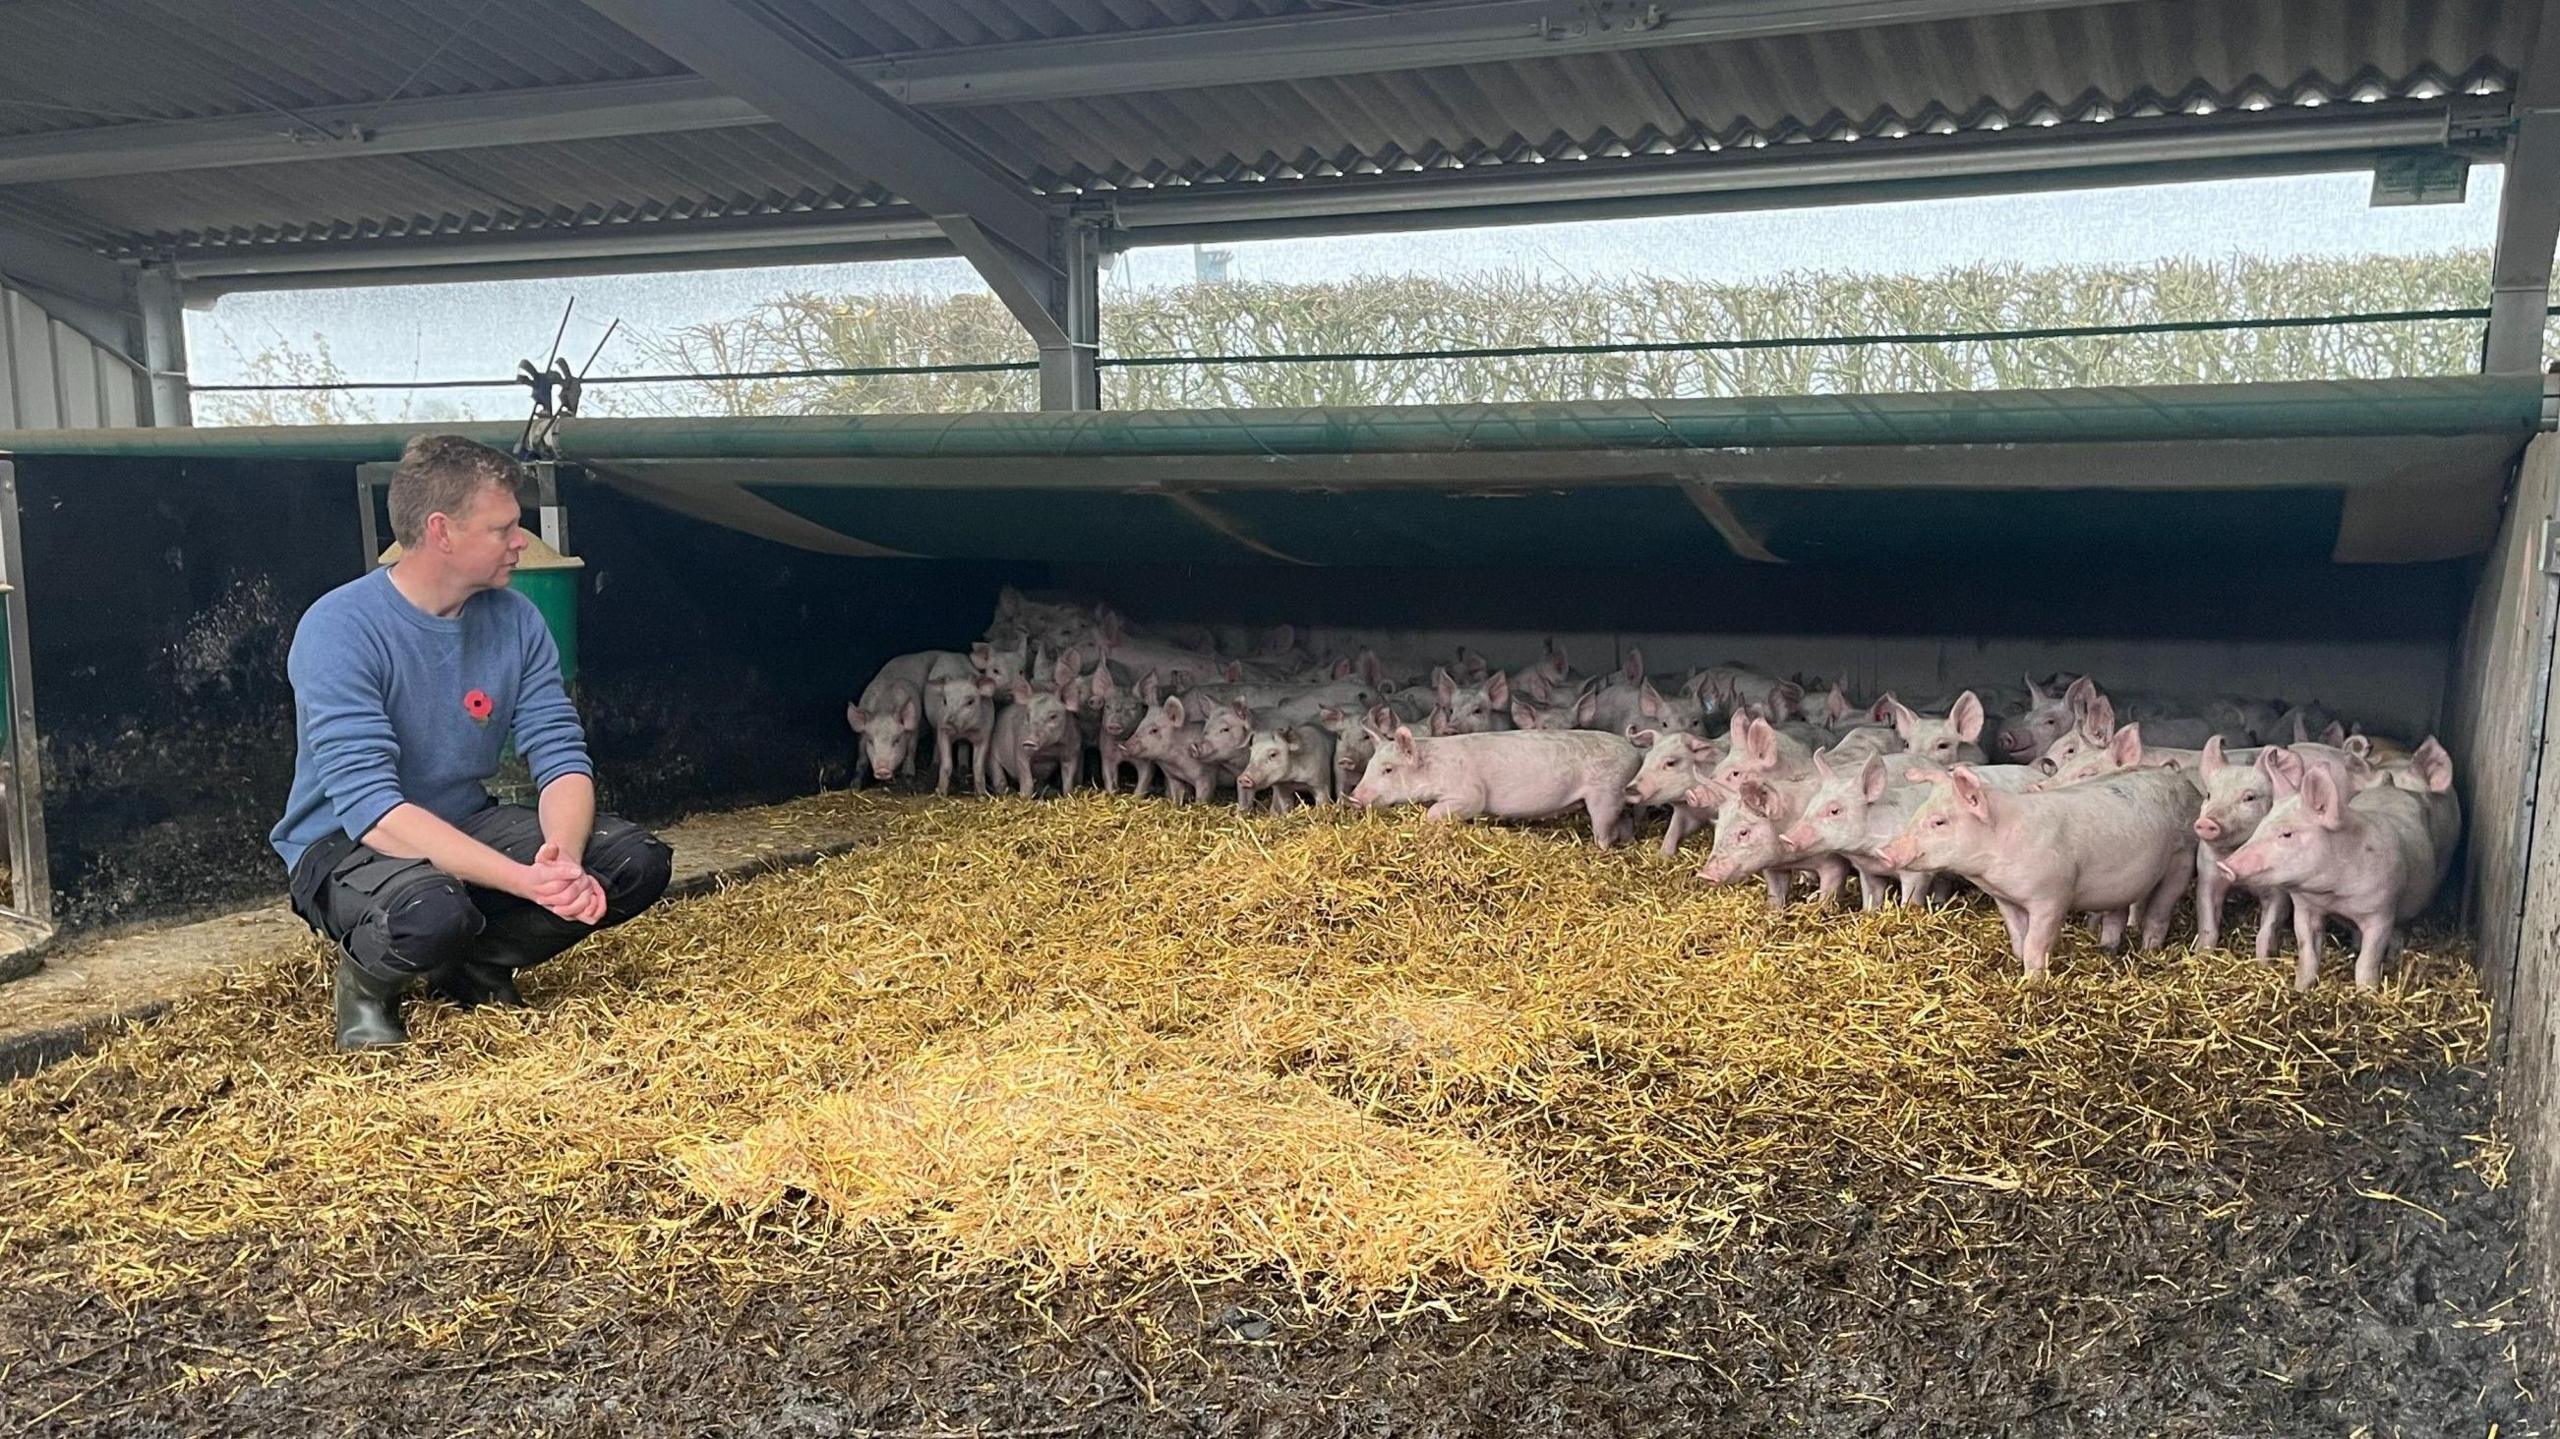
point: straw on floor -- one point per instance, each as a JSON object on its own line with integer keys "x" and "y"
{"x": 1385, "y": 1061}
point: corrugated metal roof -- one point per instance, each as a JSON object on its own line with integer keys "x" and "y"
{"x": 2072, "y": 66}
{"x": 858, "y": 29}
{"x": 73, "y": 64}
{"x": 80, "y": 63}
{"x": 760, "y": 170}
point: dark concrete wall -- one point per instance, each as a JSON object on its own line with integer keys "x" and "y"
{"x": 163, "y": 597}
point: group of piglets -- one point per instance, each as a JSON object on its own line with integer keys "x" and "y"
{"x": 2103, "y": 806}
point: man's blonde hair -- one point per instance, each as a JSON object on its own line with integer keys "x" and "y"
{"x": 442, "y": 475}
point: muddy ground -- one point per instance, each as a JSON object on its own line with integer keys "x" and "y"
{"x": 2307, "y": 1309}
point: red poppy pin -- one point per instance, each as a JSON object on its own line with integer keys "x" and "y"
{"x": 477, "y": 705}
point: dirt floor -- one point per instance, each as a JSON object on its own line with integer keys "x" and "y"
{"x": 2356, "y": 1279}
{"x": 2315, "y": 1313}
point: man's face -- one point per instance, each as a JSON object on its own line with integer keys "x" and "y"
{"x": 486, "y": 539}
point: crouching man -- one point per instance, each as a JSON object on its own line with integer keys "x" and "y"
{"x": 406, "y": 686}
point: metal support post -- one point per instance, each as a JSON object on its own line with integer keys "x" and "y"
{"x": 1069, "y": 377}
{"x": 2528, "y": 212}
{"x": 30, "y": 867}
{"x": 370, "y": 479}
{"x": 161, "y": 297}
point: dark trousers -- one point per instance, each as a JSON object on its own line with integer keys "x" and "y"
{"x": 402, "y": 918}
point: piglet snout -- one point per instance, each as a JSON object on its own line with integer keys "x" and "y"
{"x": 2208, "y": 828}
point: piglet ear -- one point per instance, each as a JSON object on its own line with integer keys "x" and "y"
{"x": 2124, "y": 750}
{"x": 1707, "y": 794}
{"x": 907, "y": 714}
{"x": 1822, "y": 765}
{"x": 1903, "y": 719}
{"x": 1871, "y": 780}
{"x": 854, "y": 716}
{"x": 1021, "y": 690}
{"x": 1446, "y": 687}
{"x": 1403, "y": 740}
{"x": 1969, "y": 791}
{"x": 1522, "y": 715}
{"x": 2098, "y": 721}
{"x": 2433, "y": 766}
{"x": 2320, "y": 797}
{"x": 1104, "y": 687}
{"x": 1633, "y": 669}
{"x": 2335, "y": 736}
{"x": 1173, "y": 711}
{"x": 2213, "y": 761}
{"x": 1764, "y": 743}
{"x": 1440, "y": 725}
{"x": 2284, "y": 770}
{"x": 2035, "y": 692}
{"x": 2082, "y": 693}
{"x": 1497, "y": 690}
{"x": 1645, "y": 738}
{"x": 1967, "y": 717}
{"x": 1759, "y": 799}
{"x": 1838, "y": 709}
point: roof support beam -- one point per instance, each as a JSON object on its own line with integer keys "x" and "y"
{"x": 2124, "y": 152}
{"x": 88, "y": 293}
{"x": 1404, "y": 37}
{"x": 2528, "y": 212}
{"x": 744, "y": 52}
{"x": 399, "y": 127}
{"x": 34, "y": 262}
{"x": 1025, "y": 248}
{"x": 1349, "y": 42}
